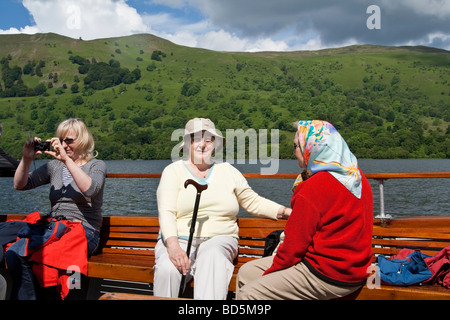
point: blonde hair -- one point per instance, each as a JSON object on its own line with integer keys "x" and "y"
{"x": 84, "y": 138}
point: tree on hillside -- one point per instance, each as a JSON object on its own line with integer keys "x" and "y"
{"x": 190, "y": 88}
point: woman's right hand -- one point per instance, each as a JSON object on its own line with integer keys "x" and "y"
{"x": 177, "y": 255}
{"x": 28, "y": 155}
{"x": 28, "y": 149}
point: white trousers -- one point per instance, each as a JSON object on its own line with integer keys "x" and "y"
{"x": 211, "y": 266}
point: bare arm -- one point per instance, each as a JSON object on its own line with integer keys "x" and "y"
{"x": 28, "y": 155}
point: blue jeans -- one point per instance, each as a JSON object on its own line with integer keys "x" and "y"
{"x": 93, "y": 239}
{"x": 24, "y": 282}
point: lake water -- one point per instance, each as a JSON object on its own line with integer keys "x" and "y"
{"x": 403, "y": 197}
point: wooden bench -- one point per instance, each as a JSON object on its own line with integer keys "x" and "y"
{"x": 128, "y": 247}
{"x": 127, "y": 250}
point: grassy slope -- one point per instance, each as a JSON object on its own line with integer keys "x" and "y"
{"x": 420, "y": 70}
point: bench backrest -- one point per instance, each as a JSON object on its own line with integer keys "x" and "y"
{"x": 129, "y": 234}
{"x": 252, "y": 236}
{"x": 138, "y": 235}
{"x": 429, "y": 235}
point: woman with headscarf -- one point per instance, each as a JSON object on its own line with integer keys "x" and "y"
{"x": 327, "y": 246}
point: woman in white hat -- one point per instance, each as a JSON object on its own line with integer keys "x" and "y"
{"x": 215, "y": 243}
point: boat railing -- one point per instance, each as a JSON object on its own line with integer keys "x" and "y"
{"x": 379, "y": 177}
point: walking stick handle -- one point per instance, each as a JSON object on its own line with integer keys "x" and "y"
{"x": 198, "y": 186}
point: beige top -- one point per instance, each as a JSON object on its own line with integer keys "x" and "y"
{"x": 219, "y": 204}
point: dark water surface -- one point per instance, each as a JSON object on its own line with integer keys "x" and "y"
{"x": 403, "y": 197}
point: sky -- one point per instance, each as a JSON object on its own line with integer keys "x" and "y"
{"x": 239, "y": 25}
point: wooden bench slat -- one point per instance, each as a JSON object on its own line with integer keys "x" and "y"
{"x": 253, "y": 233}
{"x": 261, "y": 223}
{"x": 417, "y": 244}
{"x": 118, "y": 235}
{"x": 250, "y": 251}
{"x": 141, "y": 221}
{"x": 425, "y": 292}
{"x": 393, "y": 251}
{"x": 128, "y": 251}
{"x": 398, "y": 233}
{"x": 124, "y": 243}
{"x": 416, "y": 222}
{"x": 251, "y": 243}
{"x": 130, "y": 229}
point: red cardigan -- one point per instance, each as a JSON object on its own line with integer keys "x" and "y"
{"x": 329, "y": 230}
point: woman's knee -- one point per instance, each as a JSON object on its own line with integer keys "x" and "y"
{"x": 255, "y": 268}
{"x": 165, "y": 267}
{"x": 220, "y": 248}
{"x": 12, "y": 259}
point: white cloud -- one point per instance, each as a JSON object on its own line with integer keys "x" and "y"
{"x": 26, "y": 30}
{"x": 203, "y": 34}
{"x": 85, "y": 18}
{"x": 223, "y": 41}
{"x": 431, "y": 39}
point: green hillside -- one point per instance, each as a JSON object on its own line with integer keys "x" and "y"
{"x": 387, "y": 102}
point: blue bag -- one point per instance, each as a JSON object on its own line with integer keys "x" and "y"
{"x": 404, "y": 272}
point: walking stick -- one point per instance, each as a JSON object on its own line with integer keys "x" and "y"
{"x": 200, "y": 188}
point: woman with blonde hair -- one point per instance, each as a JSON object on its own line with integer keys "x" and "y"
{"x": 76, "y": 181}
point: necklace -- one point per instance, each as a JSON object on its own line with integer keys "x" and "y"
{"x": 197, "y": 172}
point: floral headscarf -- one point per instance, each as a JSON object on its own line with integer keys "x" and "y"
{"x": 324, "y": 149}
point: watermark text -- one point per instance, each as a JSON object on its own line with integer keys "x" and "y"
{"x": 240, "y": 145}
{"x": 374, "y": 20}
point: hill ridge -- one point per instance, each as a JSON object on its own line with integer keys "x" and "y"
{"x": 388, "y": 102}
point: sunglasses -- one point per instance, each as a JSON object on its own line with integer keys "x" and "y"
{"x": 67, "y": 140}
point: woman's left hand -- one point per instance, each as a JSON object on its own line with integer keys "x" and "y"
{"x": 284, "y": 213}
{"x": 58, "y": 152}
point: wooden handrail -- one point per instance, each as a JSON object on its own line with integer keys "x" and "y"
{"x": 407, "y": 175}
{"x": 376, "y": 176}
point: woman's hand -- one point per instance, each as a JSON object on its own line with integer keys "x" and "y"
{"x": 28, "y": 152}
{"x": 284, "y": 213}
{"x": 28, "y": 155}
{"x": 59, "y": 153}
{"x": 177, "y": 255}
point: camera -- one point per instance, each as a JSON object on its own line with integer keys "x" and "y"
{"x": 41, "y": 146}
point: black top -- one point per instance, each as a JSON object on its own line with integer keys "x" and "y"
{"x": 8, "y": 165}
